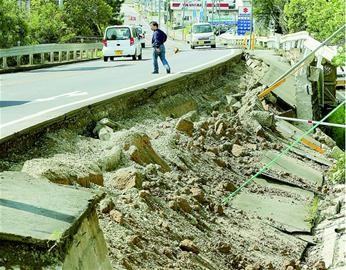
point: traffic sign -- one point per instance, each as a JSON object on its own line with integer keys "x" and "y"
{"x": 245, "y": 11}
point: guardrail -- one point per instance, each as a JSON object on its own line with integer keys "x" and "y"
{"x": 300, "y": 40}
{"x": 64, "y": 53}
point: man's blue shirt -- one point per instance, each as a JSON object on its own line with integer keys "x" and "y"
{"x": 159, "y": 37}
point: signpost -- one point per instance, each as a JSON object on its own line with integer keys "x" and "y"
{"x": 244, "y": 20}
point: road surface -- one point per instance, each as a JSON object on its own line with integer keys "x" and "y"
{"x": 28, "y": 98}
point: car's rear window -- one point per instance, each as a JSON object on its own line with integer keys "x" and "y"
{"x": 118, "y": 33}
{"x": 202, "y": 28}
{"x": 139, "y": 30}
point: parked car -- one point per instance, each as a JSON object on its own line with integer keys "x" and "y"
{"x": 121, "y": 41}
{"x": 202, "y": 34}
{"x": 141, "y": 33}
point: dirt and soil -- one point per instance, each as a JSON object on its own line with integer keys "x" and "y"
{"x": 166, "y": 178}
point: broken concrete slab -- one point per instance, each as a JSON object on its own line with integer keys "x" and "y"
{"x": 49, "y": 225}
{"x": 294, "y": 167}
{"x": 288, "y": 130}
{"x": 290, "y": 212}
{"x": 43, "y": 211}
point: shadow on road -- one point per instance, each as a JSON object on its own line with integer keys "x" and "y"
{"x": 9, "y": 103}
{"x": 78, "y": 69}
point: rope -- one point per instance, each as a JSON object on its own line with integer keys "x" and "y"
{"x": 277, "y": 157}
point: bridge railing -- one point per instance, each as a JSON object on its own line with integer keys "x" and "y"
{"x": 300, "y": 40}
{"x": 57, "y": 53}
{"x": 303, "y": 41}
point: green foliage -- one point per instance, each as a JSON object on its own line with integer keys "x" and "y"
{"x": 47, "y": 23}
{"x": 340, "y": 59}
{"x": 13, "y": 26}
{"x": 117, "y": 17}
{"x": 338, "y": 134}
{"x": 320, "y": 18}
{"x": 336, "y": 173}
{"x": 295, "y": 14}
{"x": 313, "y": 211}
{"x": 88, "y": 17}
{"x": 271, "y": 12}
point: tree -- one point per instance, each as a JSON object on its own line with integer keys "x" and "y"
{"x": 88, "y": 17}
{"x": 320, "y": 18}
{"x": 117, "y": 17}
{"x": 13, "y": 26}
{"x": 47, "y": 23}
{"x": 295, "y": 12}
{"x": 269, "y": 12}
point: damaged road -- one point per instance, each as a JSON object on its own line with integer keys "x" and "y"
{"x": 167, "y": 167}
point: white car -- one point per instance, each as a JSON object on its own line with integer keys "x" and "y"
{"x": 202, "y": 35}
{"x": 121, "y": 41}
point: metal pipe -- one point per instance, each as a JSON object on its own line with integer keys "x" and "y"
{"x": 309, "y": 121}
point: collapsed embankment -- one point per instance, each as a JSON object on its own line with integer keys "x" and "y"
{"x": 166, "y": 165}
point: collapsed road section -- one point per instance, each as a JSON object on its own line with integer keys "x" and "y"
{"x": 165, "y": 168}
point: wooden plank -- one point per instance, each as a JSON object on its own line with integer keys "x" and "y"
{"x": 271, "y": 88}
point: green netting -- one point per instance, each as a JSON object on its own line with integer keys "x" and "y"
{"x": 277, "y": 157}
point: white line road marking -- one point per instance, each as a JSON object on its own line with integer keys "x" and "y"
{"x": 72, "y": 94}
{"x": 120, "y": 91}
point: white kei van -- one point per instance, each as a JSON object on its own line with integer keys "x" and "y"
{"x": 121, "y": 41}
{"x": 202, "y": 35}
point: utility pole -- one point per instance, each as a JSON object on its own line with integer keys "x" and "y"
{"x": 159, "y": 12}
{"x": 251, "y": 28}
{"x": 212, "y": 12}
{"x": 183, "y": 19}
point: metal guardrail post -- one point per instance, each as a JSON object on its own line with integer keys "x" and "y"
{"x": 4, "y": 62}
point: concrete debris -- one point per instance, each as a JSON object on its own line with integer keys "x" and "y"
{"x": 67, "y": 170}
{"x": 236, "y": 106}
{"x": 140, "y": 150}
{"x": 231, "y": 100}
{"x": 265, "y": 119}
{"x": 191, "y": 116}
{"x": 105, "y": 133}
{"x": 185, "y": 126}
{"x": 224, "y": 247}
{"x": 167, "y": 188}
{"x": 106, "y": 205}
{"x": 198, "y": 194}
{"x": 237, "y": 150}
{"x": 180, "y": 203}
{"x": 111, "y": 159}
{"x": 117, "y": 216}
{"x": 188, "y": 245}
{"x": 126, "y": 178}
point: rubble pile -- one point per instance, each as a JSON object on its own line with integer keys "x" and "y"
{"x": 166, "y": 179}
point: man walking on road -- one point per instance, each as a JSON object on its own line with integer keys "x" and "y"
{"x": 159, "y": 50}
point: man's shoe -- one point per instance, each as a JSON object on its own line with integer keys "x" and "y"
{"x": 155, "y": 72}
{"x": 168, "y": 71}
